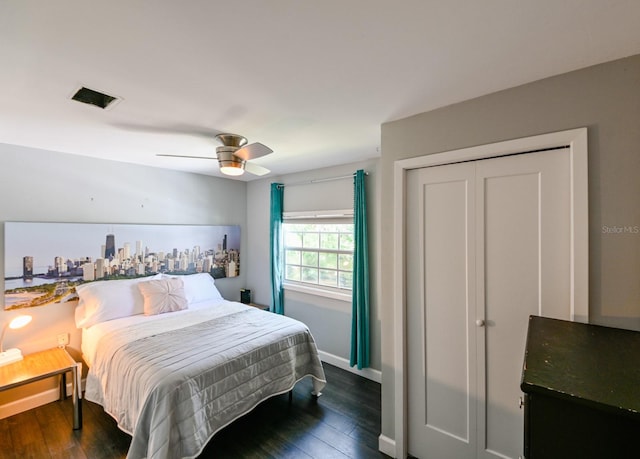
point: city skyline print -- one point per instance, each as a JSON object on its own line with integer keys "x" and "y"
{"x": 44, "y": 262}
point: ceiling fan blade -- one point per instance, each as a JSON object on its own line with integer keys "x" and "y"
{"x": 252, "y": 151}
{"x": 255, "y": 169}
{"x": 186, "y": 156}
{"x": 181, "y": 129}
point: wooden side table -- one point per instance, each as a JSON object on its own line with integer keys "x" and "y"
{"x": 264, "y": 307}
{"x": 42, "y": 365}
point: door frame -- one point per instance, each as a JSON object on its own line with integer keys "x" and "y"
{"x": 576, "y": 141}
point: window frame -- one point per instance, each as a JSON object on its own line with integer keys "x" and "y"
{"x": 344, "y": 216}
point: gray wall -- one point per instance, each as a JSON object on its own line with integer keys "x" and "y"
{"x": 45, "y": 186}
{"x": 603, "y": 98}
{"x": 329, "y": 320}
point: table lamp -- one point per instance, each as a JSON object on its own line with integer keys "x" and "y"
{"x": 12, "y": 355}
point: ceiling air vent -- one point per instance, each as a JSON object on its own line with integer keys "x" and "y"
{"x": 91, "y": 97}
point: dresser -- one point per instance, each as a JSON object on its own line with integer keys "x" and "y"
{"x": 582, "y": 391}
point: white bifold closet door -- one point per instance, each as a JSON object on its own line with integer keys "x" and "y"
{"x": 488, "y": 244}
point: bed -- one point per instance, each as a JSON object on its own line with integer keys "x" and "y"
{"x": 173, "y": 376}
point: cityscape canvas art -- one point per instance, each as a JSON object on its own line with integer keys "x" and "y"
{"x": 44, "y": 262}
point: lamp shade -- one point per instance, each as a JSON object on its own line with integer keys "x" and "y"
{"x": 19, "y": 322}
{"x": 12, "y": 355}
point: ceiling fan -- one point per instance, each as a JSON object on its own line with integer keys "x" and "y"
{"x": 234, "y": 155}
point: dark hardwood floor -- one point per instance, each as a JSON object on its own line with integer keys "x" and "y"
{"x": 343, "y": 423}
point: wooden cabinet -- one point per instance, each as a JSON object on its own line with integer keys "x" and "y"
{"x": 582, "y": 391}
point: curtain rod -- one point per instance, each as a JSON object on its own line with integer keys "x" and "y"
{"x": 328, "y": 179}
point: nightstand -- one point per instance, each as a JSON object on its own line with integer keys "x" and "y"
{"x": 42, "y": 365}
{"x": 264, "y": 307}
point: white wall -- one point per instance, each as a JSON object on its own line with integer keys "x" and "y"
{"x": 45, "y": 186}
{"x": 329, "y": 320}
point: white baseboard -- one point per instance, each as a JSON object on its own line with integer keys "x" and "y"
{"x": 387, "y": 445}
{"x": 343, "y": 364}
{"x": 33, "y": 401}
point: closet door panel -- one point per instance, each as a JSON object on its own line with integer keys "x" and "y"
{"x": 523, "y": 255}
{"x": 441, "y": 366}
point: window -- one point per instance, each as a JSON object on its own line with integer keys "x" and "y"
{"x": 319, "y": 254}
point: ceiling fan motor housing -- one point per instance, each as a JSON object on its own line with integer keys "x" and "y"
{"x": 226, "y": 158}
{"x": 232, "y": 140}
{"x": 228, "y": 162}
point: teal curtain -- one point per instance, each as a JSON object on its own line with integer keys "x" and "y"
{"x": 360, "y": 348}
{"x": 277, "y": 249}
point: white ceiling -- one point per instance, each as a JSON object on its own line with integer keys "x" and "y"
{"x": 314, "y": 80}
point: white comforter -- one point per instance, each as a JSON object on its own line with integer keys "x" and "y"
{"x": 173, "y": 383}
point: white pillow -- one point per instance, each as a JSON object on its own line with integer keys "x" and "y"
{"x": 199, "y": 287}
{"x": 163, "y": 295}
{"x": 108, "y": 300}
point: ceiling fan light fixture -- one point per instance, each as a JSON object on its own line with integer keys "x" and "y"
{"x": 229, "y": 164}
{"x": 233, "y": 168}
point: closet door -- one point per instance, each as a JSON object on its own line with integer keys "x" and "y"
{"x": 523, "y": 267}
{"x": 488, "y": 244}
{"x": 441, "y": 362}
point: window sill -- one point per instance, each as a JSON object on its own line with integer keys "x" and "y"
{"x": 346, "y": 297}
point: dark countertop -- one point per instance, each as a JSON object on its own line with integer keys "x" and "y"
{"x": 590, "y": 364}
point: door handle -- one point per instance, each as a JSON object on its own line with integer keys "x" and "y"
{"x": 480, "y": 322}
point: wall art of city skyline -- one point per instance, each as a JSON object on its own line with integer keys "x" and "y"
{"x": 44, "y": 262}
